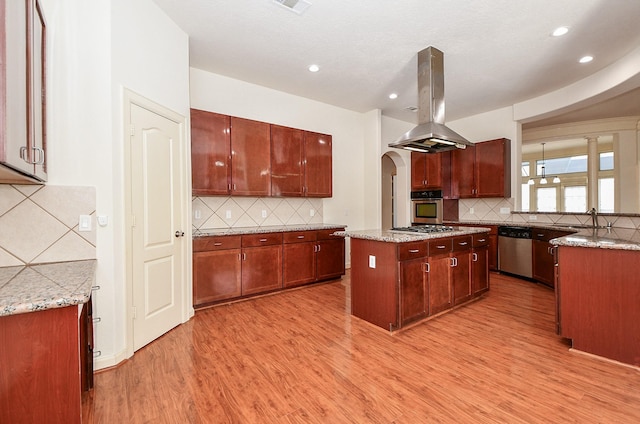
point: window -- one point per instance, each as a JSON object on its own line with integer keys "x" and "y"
{"x": 575, "y": 199}
{"x": 606, "y": 195}
{"x": 566, "y": 165}
{"x": 606, "y": 161}
{"x": 546, "y": 199}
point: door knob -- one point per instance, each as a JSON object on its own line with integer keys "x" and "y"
{"x": 179, "y": 233}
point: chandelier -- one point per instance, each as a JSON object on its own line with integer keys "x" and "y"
{"x": 543, "y": 177}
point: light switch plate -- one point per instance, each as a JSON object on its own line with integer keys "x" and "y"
{"x": 84, "y": 223}
{"x": 372, "y": 261}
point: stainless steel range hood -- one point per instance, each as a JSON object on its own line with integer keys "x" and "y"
{"x": 431, "y": 135}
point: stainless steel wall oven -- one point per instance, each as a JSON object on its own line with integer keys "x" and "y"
{"x": 426, "y": 207}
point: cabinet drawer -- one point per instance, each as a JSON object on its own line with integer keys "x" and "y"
{"x": 412, "y": 250}
{"x": 266, "y": 239}
{"x": 461, "y": 243}
{"x": 439, "y": 246}
{"x": 327, "y": 234}
{"x": 205, "y": 244}
{"x": 480, "y": 240}
{"x": 298, "y": 236}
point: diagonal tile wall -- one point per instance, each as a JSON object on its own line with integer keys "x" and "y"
{"x": 39, "y": 223}
{"x": 225, "y": 212}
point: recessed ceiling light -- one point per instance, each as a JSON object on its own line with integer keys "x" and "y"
{"x": 586, "y": 59}
{"x": 393, "y": 96}
{"x": 314, "y": 68}
{"x": 560, "y": 31}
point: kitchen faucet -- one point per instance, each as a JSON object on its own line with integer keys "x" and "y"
{"x": 594, "y": 218}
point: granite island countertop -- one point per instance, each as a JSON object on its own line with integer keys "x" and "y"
{"x": 261, "y": 230}
{"x": 37, "y": 287}
{"x": 391, "y": 236}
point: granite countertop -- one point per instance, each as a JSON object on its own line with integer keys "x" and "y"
{"x": 391, "y": 236}
{"x": 602, "y": 238}
{"x": 261, "y": 230}
{"x": 33, "y": 288}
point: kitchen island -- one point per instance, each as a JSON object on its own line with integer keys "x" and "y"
{"x": 598, "y": 292}
{"x": 45, "y": 341}
{"x": 399, "y": 278}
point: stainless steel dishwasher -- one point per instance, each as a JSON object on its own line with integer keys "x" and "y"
{"x": 515, "y": 251}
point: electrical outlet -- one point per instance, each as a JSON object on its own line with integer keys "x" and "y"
{"x": 312, "y": 212}
{"x": 505, "y": 211}
{"x": 372, "y": 261}
{"x": 533, "y": 217}
{"x": 103, "y": 220}
{"x": 197, "y": 214}
{"x": 472, "y": 211}
{"x": 264, "y": 213}
{"x": 227, "y": 214}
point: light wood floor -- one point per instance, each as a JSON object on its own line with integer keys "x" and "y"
{"x": 299, "y": 357}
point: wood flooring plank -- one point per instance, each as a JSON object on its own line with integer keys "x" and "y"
{"x": 300, "y": 357}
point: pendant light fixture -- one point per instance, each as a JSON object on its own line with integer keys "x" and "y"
{"x": 543, "y": 178}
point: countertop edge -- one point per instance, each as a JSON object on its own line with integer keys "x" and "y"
{"x": 261, "y": 230}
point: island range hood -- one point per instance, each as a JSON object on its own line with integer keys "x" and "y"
{"x": 431, "y": 135}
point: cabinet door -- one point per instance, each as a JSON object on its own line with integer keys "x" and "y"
{"x": 445, "y": 174}
{"x": 330, "y": 258}
{"x": 299, "y": 263}
{"x": 216, "y": 276}
{"x": 461, "y": 276}
{"x": 318, "y": 165}
{"x": 210, "y": 153}
{"x": 493, "y": 168}
{"x": 439, "y": 284}
{"x": 286, "y": 161}
{"x": 418, "y": 170}
{"x": 261, "y": 269}
{"x": 250, "y": 158}
{"x": 413, "y": 299}
{"x": 462, "y": 173}
{"x": 480, "y": 270}
{"x": 543, "y": 262}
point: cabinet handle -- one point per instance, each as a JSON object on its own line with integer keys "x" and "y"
{"x": 441, "y": 247}
{"x": 482, "y": 240}
{"x": 453, "y": 262}
{"x": 300, "y": 237}
{"x": 462, "y": 243}
{"x": 263, "y": 240}
{"x": 319, "y": 247}
{"x": 475, "y": 257}
{"x": 414, "y": 250}
{"x": 217, "y": 244}
{"x": 244, "y": 256}
{"x": 427, "y": 267}
{"x": 40, "y": 153}
{"x": 23, "y": 154}
{"x": 540, "y": 235}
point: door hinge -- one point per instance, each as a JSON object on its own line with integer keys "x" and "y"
{"x": 133, "y": 312}
{"x": 133, "y": 221}
{"x": 132, "y": 130}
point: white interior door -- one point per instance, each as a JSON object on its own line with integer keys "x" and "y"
{"x": 157, "y": 263}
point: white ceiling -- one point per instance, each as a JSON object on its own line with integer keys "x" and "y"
{"x": 496, "y": 52}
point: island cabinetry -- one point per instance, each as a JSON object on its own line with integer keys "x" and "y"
{"x": 482, "y": 170}
{"x": 439, "y": 275}
{"x": 261, "y": 263}
{"x": 286, "y": 161}
{"x": 318, "y": 168}
{"x": 210, "y": 153}
{"x": 597, "y": 292}
{"x": 425, "y": 171}
{"x": 216, "y": 269}
{"x": 480, "y": 264}
{"x": 461, "y": 269}
{"x": 412, "y": 268}
{"x": 42, "y": 374}
{"x": 543, "y": 254}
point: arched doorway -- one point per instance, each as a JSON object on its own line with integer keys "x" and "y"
{"x": 395, "y": 191}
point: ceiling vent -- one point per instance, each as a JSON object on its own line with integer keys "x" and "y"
{"x": 297, "y": 6}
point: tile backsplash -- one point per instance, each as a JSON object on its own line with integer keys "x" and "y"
{"x": 227, "y": 212}
{"x": 502, "y": 210}
{"x": 39, "y": 224}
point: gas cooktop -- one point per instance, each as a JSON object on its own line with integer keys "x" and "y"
{"x": 424, "y": 229}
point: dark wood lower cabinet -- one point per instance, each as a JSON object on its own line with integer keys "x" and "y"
{"x": 391, "y": 288}
{"x": 46, "y": 361}
{"x": 230, "y": 267}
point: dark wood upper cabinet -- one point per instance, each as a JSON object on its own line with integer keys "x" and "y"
{"x": 210, "y": 153}
{"x": 250, "y": 157}
{"x": 318, "y": 165}
{"x": 483, "y": 170}
{"x": 426, "y": 171}
{"x": 286, "y": 161}
{"x": 23, "y": 40}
